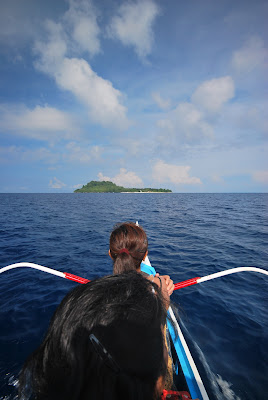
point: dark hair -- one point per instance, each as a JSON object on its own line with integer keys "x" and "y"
{"x": 105, "y": 341}
{"x": 127, "y": 236}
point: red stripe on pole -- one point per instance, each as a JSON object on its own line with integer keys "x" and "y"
{"x": 177, "y": 286}
{"x": 75, "y": 278}
{"x": 189, "y": 282}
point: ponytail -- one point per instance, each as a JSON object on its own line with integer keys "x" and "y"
{"x": 124, "y": 263}
{"x": 128, "y": 246}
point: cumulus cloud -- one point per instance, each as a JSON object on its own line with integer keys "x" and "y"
{"x": 76, "y": 31}
{"x": 261, "y": 176}
{"x": 160, "y": 101}
{"x": 252, "y": 54}
{"x": 176, "y": 174}
{"x": 52, "y": 51}
{"x": 55, "y": 183}
{"x": 133, "y": 25}
{"x": 124, "y": 178}
{"x": 193, "y": 122}
{"x": 213, "y": 94}
{"x": 42, "y": 123}
{"x": 81, "y": 22}
{"x": 75, "y": 75}
{"x": 98, "y": 94}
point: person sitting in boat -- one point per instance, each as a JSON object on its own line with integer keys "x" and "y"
{"x": 128, "y": 250}
{"x": 105, "y": 341}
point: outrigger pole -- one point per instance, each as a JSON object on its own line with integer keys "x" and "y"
{"x": 66, "y": 275}
{"x": 177, "y": 286}
{"x": 193, "y": 281}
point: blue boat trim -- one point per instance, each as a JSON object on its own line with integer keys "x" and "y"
{"x": 185, "y": 365}
{"x": 189, "y": 375}
{"x": 148, "y": 269}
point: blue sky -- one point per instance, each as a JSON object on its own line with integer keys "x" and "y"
{"x": 147, "y": 93}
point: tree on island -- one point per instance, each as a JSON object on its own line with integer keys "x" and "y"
{"x": 110, "y": 187}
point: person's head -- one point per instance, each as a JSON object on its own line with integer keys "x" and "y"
{"x": 105, "y": 341}
{"x": 128, "y": 247}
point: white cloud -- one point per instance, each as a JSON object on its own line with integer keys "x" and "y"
{"x": 176, "y": 174}
{"x": 185, "y": 124}
{"x": 76, "y": 31}
{"x": 44, "y": 118}
{"x": 213, "y": 94}
{"x": 253, "y": 54}
{"x": 124, "y": 178}
{"x": 84, "y": 155}
{"x": 104, "y": 178}
{"x": 261, "y": 176}
{"x": 160, "y": 101}
{"x": 191, "y": 122}
{"x": 42, "y": 123}
{"x": 51, "y": 51}
{"x": 101, "y": 99}
{"x": 81, "y": 21}
{"x": 133, "y": 25}
{"x": 98, "y": 94}
{"x": 55, "y": 183}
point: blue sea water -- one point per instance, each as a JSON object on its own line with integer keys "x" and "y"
{"x": 225, "y": 320}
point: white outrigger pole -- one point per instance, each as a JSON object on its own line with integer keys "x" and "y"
{"x": 193, "y": 281}
{"x": 177, "y": 286}
{"x": 66, "y": 275}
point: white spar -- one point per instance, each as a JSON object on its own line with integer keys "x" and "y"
{"x": 35, "y": 266}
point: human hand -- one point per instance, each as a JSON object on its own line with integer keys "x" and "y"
{"x": 169, "y": 284}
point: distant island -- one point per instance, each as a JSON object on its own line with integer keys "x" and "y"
{"x": 110, "y": 187}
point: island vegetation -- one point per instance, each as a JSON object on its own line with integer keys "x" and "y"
{"x": 110, "y": 187}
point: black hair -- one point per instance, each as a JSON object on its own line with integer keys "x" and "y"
{"x": 105, "y": 341}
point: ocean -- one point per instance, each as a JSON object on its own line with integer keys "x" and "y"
{"x": 224, "y": 320}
